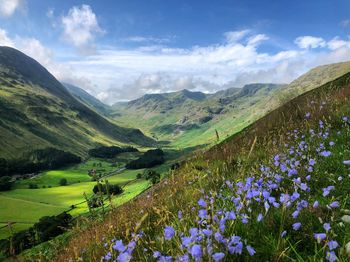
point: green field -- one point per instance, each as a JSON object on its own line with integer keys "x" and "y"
{"x": 26, "y": 206}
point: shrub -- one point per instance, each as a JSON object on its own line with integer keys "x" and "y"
{"x": 112, "y": 189}
{"x": 5, "y": 183}
{"x": 33, "y": 186}
{"x": 109, "y": 152}
{"x": 149, "y": 159}
{"x": 63, "y": 182}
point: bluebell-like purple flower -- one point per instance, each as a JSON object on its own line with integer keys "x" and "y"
{"x": 260, "y": 217}
{"x": 346, "y": 162}
{"x": 296, "y": 226}
{"x": 169, "y": 232}
{"x": 108, "y": 256}
{"x": 202, "y": 213}
{"x": 334, "y": 204}
{"x": 320, "y": 236}
{"x": 332, "y": 244}
{"x": 118, "y": 246}
{"x": 124, "y": 257}
{"x": 196, "y": 252}
{"x": 331, "y": 256}
{"x": 202, "y": 203}
{"x": 156, "y": 254}
{"x": 327, "y": 227}
{"x": 283, "y": 234}
{"x": 218, "y": 256}
{"x": 251, "y": 250}
{"x": 325, "y": 153}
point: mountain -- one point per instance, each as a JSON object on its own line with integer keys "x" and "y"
{"x": 37, "y": 111}
{"x": 178, "y": 116}
{"x": 87, "y": 99}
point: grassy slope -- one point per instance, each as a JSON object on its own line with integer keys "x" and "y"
{"x": 236, "y": 158}
{"x": 247, "y": 109}
{"x": 36, "y": 111}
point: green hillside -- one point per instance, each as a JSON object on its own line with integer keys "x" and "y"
{"x": 191, "y": 118}
{"x": 36, "y": 111}
{"x": 87, "y": 99}
{"x": 277, "y": 191}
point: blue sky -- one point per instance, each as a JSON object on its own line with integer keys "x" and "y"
{"x": 119, "y": 50}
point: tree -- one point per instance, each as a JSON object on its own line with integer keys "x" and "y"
{"x": 63, "y": 182}
{"x": 153, "y": 176}
{"x": 149, "y": 159}
{"x": 5, "y": 183}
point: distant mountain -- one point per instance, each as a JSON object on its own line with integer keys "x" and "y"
{"x": 87, "y": 99}
{"x": 170, "y": 115}
{"x": 36, "y": 111}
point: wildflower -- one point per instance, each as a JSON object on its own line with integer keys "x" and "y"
{"x": 202, "y": 203}
{"x": 331, "y": 257}
{"x": 308, "y": 115}
{"x": 108, "y": 256}
{"x": 332, "y": 244}
{"x": 325, "y": 153}
{"x": 202, "y": 213}
{"x": 260, "y": 217}
{"x": 218, "y": 256}
{"x": 123, "y": 257}
{"x": 346, "y": 162}
{"x": 179, "y": 215}
{"x": 283, "y": 234}
{"x": 296, "y": 226}
{"x": 186, "y": 241}
{"x": 327, "y": 227}
{"x": 295, "y": 214}
{"x": 169, "y": 232}
{"x": 334, "y": 204}
{"x": 345, "y": 119}
{"x": 207, "y": 232}
{"x": 331, "y": 143}
{"x": 320, "y": 236}
{"x": 156, "y": 254}
{"x": 118, "y": 246}
{"x": 251, "y": 250}
{"x": 196, "y": 252}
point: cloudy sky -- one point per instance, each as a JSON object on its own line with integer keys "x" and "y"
{"x": 120, "y": 50}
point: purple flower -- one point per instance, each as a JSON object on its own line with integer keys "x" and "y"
{"x": 186, "y": 241}
{"x": 118, "y": 246}
{"x": 251, "y": 250}
{"x": 169, "y": 232}
{"x": 283, "y": 234}
{"x": 156, "y": 254}
{"x": 123, "y": 257}
{"x": 325, "y": 153}
{"x": 202, "y": 203}
{"x": 207, "y": 232}
{"x": 202, "y": 213}
{"x": 179, "y": 214}
{"x": 331, "y": 257}
{"x": 260, "y": 217}
{"x": 312, "y": 162}
{"x": 327, "y": 227}
{"x": 345, "y": 119}
{"x": 196, "y": 252}
{"x": 334, "y": 204}
{"x": 296, "y": 226}
{"x": 315, "y": 205}
{"x": 108, "y": 256}
{"x": 218, "y": 256}
{"x": 332, "y": 244}
{"x": 346, "y": 162}
{"x": 308, "y": 115}
{"x": 295, "y": 214}
{"x": 320, "y": 236}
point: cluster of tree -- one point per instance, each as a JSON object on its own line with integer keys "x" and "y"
{"x": 110, "y": 151}
{"x": 107, "y": 188}
{"x": 149, "y": 159}
{"x": 153, "y": 176}
{"x": 38, "y": 160}
{"x": 5, "y": 183}
{"x": 47, "y": 228}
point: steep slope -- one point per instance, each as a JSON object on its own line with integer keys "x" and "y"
{"x": 36, "y": 111}
{"x": 180, "y": 116}
{"x": 87, "y": 99}
{"x": 269, "y": 180}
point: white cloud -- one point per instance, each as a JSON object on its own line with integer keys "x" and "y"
{"x": 148, "y": 39}
{"x": 80, "y": 26}
{"x": 9, "y": 7}
{"x": 345, "y": 23}
{"x": 337, "y": 43}
{"x": 306, "y": 42}
{"x": 4, "y": 39}
{"x": 234, "y": 36}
